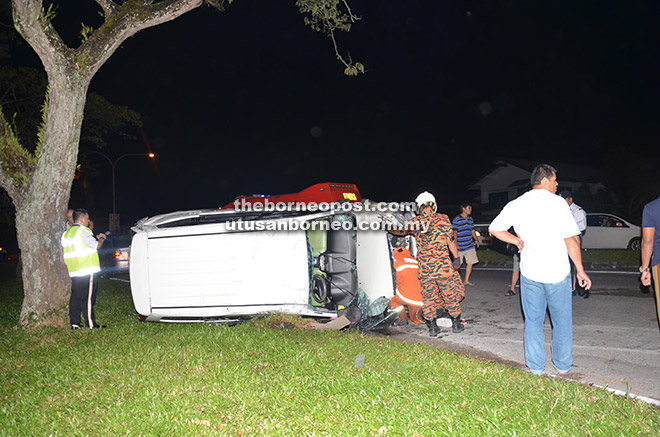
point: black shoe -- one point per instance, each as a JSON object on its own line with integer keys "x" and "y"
{"x": 433, "y": 328}
{"x": 98, "y": 326}
{"x": 456, "y": 325}
{"x": 441, "y": 313}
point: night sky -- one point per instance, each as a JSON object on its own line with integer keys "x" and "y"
{"x": 250, "y": 100}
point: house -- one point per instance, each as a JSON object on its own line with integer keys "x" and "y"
{"x": 509, "y": 178}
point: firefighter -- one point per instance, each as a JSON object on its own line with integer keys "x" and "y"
{"x": 408, "y": 288}
{"x": 82, "y": 262}
{"x": 441, "y": 283}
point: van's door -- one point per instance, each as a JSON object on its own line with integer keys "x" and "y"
{"x": 210, "y": 269}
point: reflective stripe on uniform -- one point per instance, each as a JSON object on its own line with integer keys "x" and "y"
{"x": 79, "y": 253}
{"x": 408, "y": 301}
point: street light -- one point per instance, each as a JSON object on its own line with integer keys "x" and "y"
{"x": 113, "y": 164}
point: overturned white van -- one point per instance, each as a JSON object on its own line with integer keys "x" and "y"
{"x": 223, "y": 264}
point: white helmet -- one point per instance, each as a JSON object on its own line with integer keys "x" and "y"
{"x": 425, "y": 198}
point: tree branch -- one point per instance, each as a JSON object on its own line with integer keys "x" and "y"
{"x": 326, "y": 16}
{"x": 108, "y": 7}
{"x": 350, "y": 13}
{"x": 127, "y": 19}
{"x": 40, "y": 34}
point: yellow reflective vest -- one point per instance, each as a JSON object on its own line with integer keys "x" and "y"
{"x": 81, "y": 260}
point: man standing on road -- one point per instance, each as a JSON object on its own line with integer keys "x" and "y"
{"x": 466, "y": 237}
{"x": 442, "y": 288}
{"x": 546, "y": 233}
{"x": 651, "y": 246}
{"x": 82, "y": 262}
{"x": 581, "y": 220}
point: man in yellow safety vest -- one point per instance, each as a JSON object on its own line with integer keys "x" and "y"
{"x": 82, "y": 262}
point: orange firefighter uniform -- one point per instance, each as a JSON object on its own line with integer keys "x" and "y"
{"x": 408, "y": 287}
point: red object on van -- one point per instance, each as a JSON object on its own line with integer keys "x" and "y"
{"x": 327, "y": 192}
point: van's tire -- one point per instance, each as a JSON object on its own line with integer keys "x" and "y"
{"x": 321, "y": 289}
{"x": 635, "y": 244}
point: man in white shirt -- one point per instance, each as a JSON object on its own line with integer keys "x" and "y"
{"x": 581, "y": 220}
{"x": 578, "y": 213}
{"x": 546, "y": 234}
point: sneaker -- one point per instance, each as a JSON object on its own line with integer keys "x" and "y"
{"x": 75, "y": 327}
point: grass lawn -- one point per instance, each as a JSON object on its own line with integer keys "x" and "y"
{"x": 136, "y": 378}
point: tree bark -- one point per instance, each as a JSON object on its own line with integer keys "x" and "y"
{"x": 40, "y": 218}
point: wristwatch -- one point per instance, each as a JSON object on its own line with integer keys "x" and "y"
{"x": 643, "y": 270}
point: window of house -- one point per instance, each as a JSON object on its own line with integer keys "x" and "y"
{"x": 498, "y": 199}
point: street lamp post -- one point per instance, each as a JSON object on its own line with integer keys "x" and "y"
{"x": 113, "y": 164}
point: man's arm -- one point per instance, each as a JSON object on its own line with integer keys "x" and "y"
{"x": 475, "y": 237}
{"x": 573, "y": 246}
{"x": 101, "y": 240}
{"x": 648, "y": 235}
{"x": 508, "y": 237}
{"x": 453, "y": 247}
{"x": 91, "y": 241}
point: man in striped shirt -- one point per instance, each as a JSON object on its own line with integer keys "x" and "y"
{"x": 467, "y": 240}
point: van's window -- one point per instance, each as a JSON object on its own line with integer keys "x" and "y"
{"x": 189, "y": 221}
{"x": 206, "y": 219}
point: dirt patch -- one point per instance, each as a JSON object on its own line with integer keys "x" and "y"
{"x": 281, "y": 322}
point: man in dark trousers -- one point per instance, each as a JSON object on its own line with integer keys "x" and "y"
{"x": 82, "y": 262}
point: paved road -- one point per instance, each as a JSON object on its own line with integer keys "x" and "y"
{"x": 616, "y": 333}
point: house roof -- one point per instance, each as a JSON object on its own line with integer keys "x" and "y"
{"x": 565, "y": 171}
{"x": 519, "y": 183}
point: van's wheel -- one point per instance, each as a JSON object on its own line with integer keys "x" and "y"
{"x": 635, "y": 244}
{"x": 320, "y": 289}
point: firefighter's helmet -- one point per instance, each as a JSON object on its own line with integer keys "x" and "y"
{"x": 426, "y": 198}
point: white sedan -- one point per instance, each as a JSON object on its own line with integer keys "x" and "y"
{"x": 607, "y": 231}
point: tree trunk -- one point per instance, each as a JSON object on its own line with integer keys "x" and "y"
{"x": 41, "y": 216}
